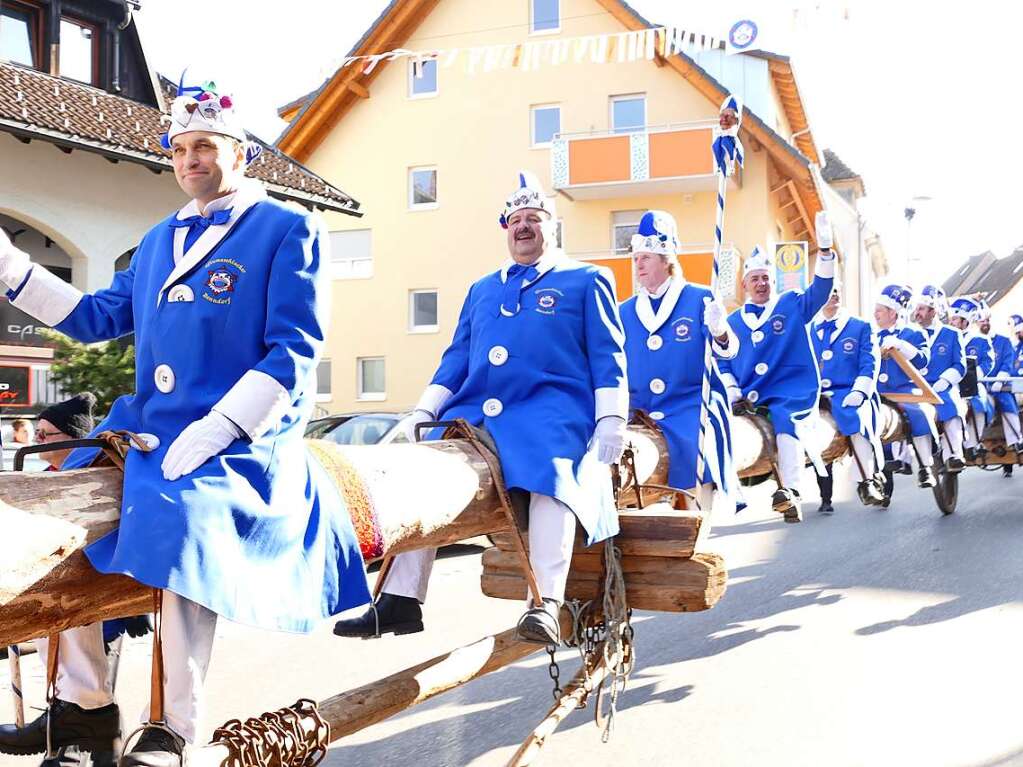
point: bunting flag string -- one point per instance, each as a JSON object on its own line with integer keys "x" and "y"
{"x": 621, "y": 47}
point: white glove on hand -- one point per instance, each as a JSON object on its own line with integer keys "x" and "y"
{"x": 610, "y": 438}
{"x": 734, "y": 394}
{"x": 825, "y": 235}
{"x": 854, "y": 399}
{"x": 200, "y": 441}
{"x": 904, "y": 347}
{"x": 14, "y": 263}
{"x": 416, "y": 417}
{"x": 715, "y": 317}
{"x": 941, "y": 385}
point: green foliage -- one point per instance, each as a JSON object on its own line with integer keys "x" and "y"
{"x": 106, "y": 369}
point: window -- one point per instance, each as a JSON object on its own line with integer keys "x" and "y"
{"x": 323, "y": 381}
{"x": 371, "y": 378}
{"x": 628, "y": 113}
{"x": 624, "y": 224}
{"x": 422, "y": 311}
{"x": 77, "y": 50}
{"x": 422, "y": 78}
{"x": 544, "y": 16}
{"x": 19, "y": 34}
{"x": 422, "y": 188}
{"x": 351, "y": 254}
{"x": 546, "y": 122}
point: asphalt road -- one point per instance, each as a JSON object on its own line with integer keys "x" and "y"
{"x": 867, "y": 638}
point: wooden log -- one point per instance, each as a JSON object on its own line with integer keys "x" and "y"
{"x": 663, "y": 584}
{"x": 355, "y": 710}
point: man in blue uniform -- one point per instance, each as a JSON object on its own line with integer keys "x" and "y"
{"x": 1016, "y": 323}
{"x": 667, "y": 327}
{"x": 1003, "y": 368}
{"x": 895, "y": 333}
{"x": 963, "y": 314}
{"x": 775, "y": 367}
{"x": 944, "y": 371}
{"x": 849, "y": 359}
{"x": 537, "y": 361}
{"x": 224, "y": 515}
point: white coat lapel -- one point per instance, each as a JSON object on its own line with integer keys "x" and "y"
{"x": 752, "y": 321}
{"x": 247, "y": 196}
{"x": 840, "y": 322}
{"x": 645, "y": 311}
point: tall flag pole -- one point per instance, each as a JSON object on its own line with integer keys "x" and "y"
{"x": 727, "y": 151}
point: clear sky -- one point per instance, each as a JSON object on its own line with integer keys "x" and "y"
{"x": 918, "y": 97}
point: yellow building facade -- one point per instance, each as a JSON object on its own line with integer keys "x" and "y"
{"x": 433, "y": 152}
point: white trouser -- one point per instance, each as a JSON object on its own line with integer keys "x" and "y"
{"x": 864, "y": 453}
{"x": 83, "y": 676}
{"x": 976, "y": 423}
{"x": 1010, "y": 425}
{"x": 551, "y": 540}
{"x": 924, "y": 446}
{"x": 791, "y": 459}
{"x": 952, "y": 442}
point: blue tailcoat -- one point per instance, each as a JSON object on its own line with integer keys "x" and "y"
{"x": 892, "y": 379}
{"x": 531, "y": 379}
{"x": 849, "y": 359}
{"x": 665, "y": 351}
{"x": 981, "y": 349}
{"x": 1005, "y": 358}
{"x": 947, "y": 353}
{"x": 776, "y": 367}
{"x": 258, "y": 534}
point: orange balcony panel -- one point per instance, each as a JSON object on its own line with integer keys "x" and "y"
{"x": 680, "y": 153}
{"x": 621, "y": 268}
{"x": 697, "y": 267}
{"x": 599, "y": 160}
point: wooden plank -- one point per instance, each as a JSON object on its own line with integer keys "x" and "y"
{"x": 926, "y": 392}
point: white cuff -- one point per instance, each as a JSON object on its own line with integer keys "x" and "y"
{"x": 47, "y": 297}
{"x": 733, "y": 345}
{"x": 952, "y": 375}
{"x": 729, "y": 381}
{"x": 1003, "y": 376}
{"x": 611, "y": 400}
{"x": 433, "y": 399}
{"x": 864, "y": 385}
{"x": 255, "y": 404}
{"x": 825, "y": 267}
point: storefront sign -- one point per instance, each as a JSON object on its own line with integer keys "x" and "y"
{"x": 15, "y": 386}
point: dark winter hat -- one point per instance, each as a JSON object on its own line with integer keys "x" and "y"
{"x": 72, "y": 416}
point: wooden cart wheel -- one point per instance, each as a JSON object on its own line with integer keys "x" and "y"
{"x": 946, "y": 491}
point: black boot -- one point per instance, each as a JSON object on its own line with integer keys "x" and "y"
{"x": 390, "y": 614}
{"x": 826, "y": 485}
{"x": 925, "y": 477}
{"x": 870, "y": 493}
{"x": 887, "y": 482}
{"x": 90, "y": 729}
{"x": 1007, "y": 470}
{"x": 906, "y": 468}
{"x": 541, "y": 624}
{"x": 156, "y": 747}
{"x": 787, "y": 501}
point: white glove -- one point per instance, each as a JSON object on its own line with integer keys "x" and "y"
{"x": 14, "y": 263}
{"x": 409, "y": 423}
{"x": 200, "y": 441}
{"x": 715, "y": 317}
{"x": 734, "y": 394}
{"x": 996, "y": 387}
{"x": 905, "y": 347}
{"x": 610, "y": 438}
{"x": 854, "y": 399}
{"x": 825, "y": 236}
{"x": 941, "y": 385}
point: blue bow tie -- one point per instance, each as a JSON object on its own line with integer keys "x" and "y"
{"x": 202, "y": 223}
{"x": 828, "y": 326}
{"x": 518, "y": 275}
{"x": 755, "y": 309}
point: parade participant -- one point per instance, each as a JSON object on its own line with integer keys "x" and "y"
{"x": 667, "y": 325}
{"x": 775, "y": 366}
{"x": 895, "y": 333}
{"x": 224, "y": 515}
{"x": 847, "y": 354}
{"x": 537, "y": 360}
{"x": 945, "y": 369}
{"x": 1016, "y": 323}
{"x": 963, "y": 312}
{"x": 1002, "y": 398}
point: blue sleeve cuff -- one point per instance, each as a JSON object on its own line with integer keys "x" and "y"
{"x": 13, "y": 294}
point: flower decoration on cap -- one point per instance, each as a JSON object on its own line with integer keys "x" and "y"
{"x": 758, "y": 261}
{"x": 897, "y": 297}
{"x": 966, "y": 308}
{"x": 202, "y": 108}
{"x": 529, "y": 195}
{"x": 657, "y": 234}
{"x": 1016, "y": 321}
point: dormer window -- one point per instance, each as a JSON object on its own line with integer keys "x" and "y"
{"x": 78, "y": 54}
{"x": 20, "y": 28}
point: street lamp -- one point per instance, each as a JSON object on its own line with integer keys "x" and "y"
{"x": 910, "y": 214}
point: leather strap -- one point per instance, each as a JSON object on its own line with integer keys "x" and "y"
{"x": 156, "y": 706}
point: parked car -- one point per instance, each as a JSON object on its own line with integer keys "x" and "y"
{"x": 374, "y": 428}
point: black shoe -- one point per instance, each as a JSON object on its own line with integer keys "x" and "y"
{"x": 925, "y": 477}
{"x": 90, "y": 729}
{"x": 541, "y": 624}
{"x": 391, "y": 614}
{"x": 825, "y": 508}
{"x": 787, "y": 501}
{"x": 954, "y": 465}
{"x": 869, "y": 492}
{"x": 1007, "y": 470}
{"x": 906, "y": 468}
{"x": 970, "y": 453}
{"x": 156, "y": 747}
